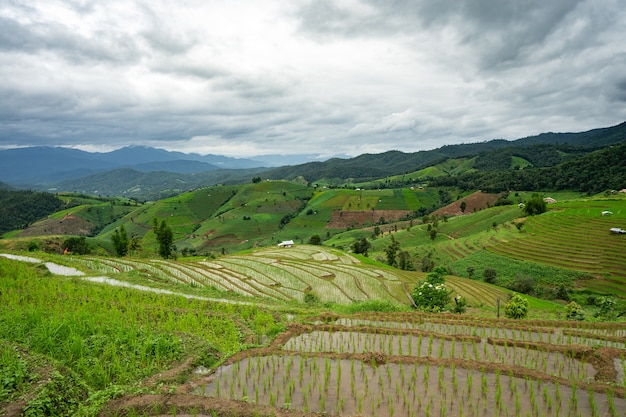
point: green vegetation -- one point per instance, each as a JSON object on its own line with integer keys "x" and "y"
{"x": 18, "y": 209}
{"x": 516, "y": 308}
{"x": 103, "y": 339}
{"x": 432, "y": 294}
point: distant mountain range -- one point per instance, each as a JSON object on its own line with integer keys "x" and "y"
{"x": 41, "y": 166}
{"x": 148, "y": 173}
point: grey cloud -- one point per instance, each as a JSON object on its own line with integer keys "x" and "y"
{"x": 55, "y": 38}
{"x": 619, "y": 91}
{"x": 497, "y": 32}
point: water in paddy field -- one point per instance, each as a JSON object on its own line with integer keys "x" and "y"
{"x": 348, "y": 387}
{"x": 550, "y": 363}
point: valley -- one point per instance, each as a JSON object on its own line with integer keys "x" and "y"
{"x": 299, "y": 297}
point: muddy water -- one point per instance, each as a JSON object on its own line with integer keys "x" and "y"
{"x": 530, "y": 335}
{"x": 551, "y": 363}
{"x": 349, "y": 387}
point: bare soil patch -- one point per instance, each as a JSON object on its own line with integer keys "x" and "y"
{"x": 342, "y": 219}
{"x": 474, "y": 202}
{"x": 68, "y": 225}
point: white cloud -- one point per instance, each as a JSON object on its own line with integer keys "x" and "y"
{"x": 345, "y": 77}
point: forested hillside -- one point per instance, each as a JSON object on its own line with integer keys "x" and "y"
{"x": 596, "y": 172}
{"x": 18, "y": 209}
{"x": 544, "y": 150}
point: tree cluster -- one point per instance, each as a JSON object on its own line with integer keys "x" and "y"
{"x": 18, "y": 209}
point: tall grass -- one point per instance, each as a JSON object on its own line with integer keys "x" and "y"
{"x": 112, "y": 336}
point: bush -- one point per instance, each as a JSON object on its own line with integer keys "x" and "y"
{"x": 606, "y": 308}
{"x": 535, "y": 205}
{"x": 523, "y": 284}
{"x": 516, "y": 308}
{"x": 573, "y": 311}
{"x": 315, "y": 240}
{"x": 432, "y": 293}
{"x": 460, "y": 305}
{"x": 311, "y": 298}
{"x": 490, "y": 275}
{"x": 77, "y": 245}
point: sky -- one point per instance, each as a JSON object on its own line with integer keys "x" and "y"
{"x": 325, "y": 77}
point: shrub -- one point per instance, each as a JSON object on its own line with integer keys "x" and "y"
{"x": 77, "y": 245}
{"x": 460, "y": 305}
{"x": 606, "y": 308}
{"x": 573, "y": 311}
{"x": 315, "y": 240}
{"x": 535, "y": 205}
{"x": 516, "y": 308}
{"x": 490, "y": 275}
{"x": 311, "y": 298}
{"x": 432, "y": 293}
{"x": 523, "y": 284}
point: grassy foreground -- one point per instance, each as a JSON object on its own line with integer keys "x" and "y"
{"x": 67, "y": 346}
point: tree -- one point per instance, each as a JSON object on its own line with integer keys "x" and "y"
{"x": 77, "y": 245}
{"x": 164, "y": 237}
{"x": 535, "y": 205}
{"x": 427, "y": 263}
{"x": 361, "y": 246}
{"x": 391, "y": 251}
{"x": 432, "y": 294}
{"x": 120, "y": 241}
{"x": 470, "y": 272}
{"x": 490, "y": 275}
{"x": 463, "y": 206}
{"x": 516, "y": 308}
{"x": 256, "y": 180}
{"x": 405, "y": 262}
{"x": 524, "y": 284}
{"x": 315, "y": 240}
{"x": 433, "y": 234}
{"x": 134, "y": 245}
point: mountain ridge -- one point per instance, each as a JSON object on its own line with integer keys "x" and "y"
{"x": 166, "y": 173}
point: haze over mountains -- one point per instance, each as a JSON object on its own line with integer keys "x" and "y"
{"x": 148, "y": 172}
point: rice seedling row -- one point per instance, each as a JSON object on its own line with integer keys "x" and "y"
{"x": 396, "y": 365}
{"x": 351, "y": 386}
{"x": 430, "y": 345}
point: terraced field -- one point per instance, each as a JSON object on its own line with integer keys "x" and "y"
{"x": 575, "y": 236}
{"x": 404, "y": 364}
{"x": 288, "y": 275}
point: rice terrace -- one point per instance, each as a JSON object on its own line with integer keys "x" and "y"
{"x": 346, "y": 364}
{"x": 392, "y": 285}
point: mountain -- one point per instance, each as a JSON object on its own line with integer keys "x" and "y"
{"x": 591, "y": 138}
{"x": 600, "y": 170}
{"x": 370, "y": 167}
{"x": 154, "y": 185}
{"x": 147, "y": 173}
{"x": 50, "y": 165}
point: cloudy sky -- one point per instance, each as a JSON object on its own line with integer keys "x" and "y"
{"x": 250, "y": 77}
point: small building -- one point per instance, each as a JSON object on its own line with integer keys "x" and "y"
{"x": 549, "y": 200}
{"x": 617, "y": 231}
{"x": 286, "y": 244}
{"x": 607, "y": 213}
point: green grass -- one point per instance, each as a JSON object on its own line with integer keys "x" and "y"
{"x": 573, "y": 235}
{"x": 508, "y": 270}
{"x": 107, "y": 336}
